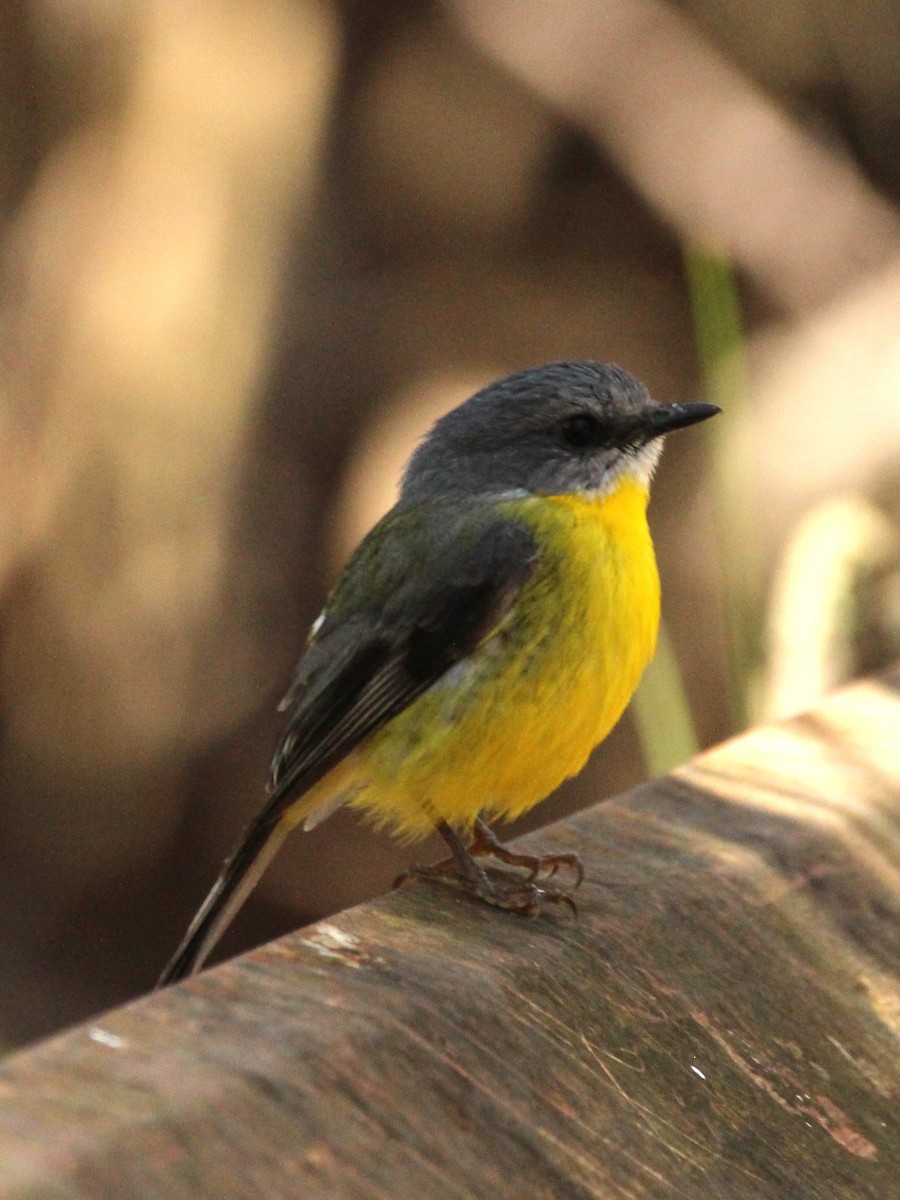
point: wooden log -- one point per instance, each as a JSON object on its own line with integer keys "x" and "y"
{"x": 721, "y": 1021}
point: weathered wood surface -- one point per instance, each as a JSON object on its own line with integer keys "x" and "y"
{"x": 722, "y": 1021}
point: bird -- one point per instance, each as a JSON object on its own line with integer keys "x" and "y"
{"x": 483, "y": 638}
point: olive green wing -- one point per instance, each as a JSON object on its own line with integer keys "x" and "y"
{"x": 420, "y": 594}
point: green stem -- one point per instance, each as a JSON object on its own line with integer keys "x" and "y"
{"x": 721, "y": 350}
{"x": 662, "y": 713}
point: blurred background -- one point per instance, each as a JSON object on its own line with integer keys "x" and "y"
{"x": 249, "y": 251}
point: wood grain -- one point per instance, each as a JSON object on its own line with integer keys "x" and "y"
{"x": 723, "y": 1020}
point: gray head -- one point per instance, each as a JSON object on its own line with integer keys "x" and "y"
{"x": 564, "y": 427}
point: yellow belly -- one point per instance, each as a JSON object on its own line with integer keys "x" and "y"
{"x": 503, "y": 729}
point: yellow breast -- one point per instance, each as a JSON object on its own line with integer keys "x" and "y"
{"x": 503, "y": 730}
{"x": 611, "y": 580}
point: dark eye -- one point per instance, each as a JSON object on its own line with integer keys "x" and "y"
{"x": 581, "y": 430}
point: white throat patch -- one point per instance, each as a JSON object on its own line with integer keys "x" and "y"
{"x": 638, "y": 466}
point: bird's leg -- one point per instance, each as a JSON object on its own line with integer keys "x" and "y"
{"x": 522, "y": 896}
{"x": 486, "y": 842}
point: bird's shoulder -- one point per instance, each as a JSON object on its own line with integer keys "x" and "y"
{"x": 418, "y": 550}
{"x": 432, "y": 578}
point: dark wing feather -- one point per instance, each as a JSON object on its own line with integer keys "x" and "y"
{"x": 365, "y": 668}
{"x": 417, "y": 598}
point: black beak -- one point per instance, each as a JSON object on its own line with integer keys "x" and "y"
{"x": 666, "y": 417}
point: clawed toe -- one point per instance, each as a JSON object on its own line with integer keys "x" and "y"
{"x": 443, "y": 870}
{"x": 546, "y": 865}
{"x": 485, "y": 843}
{"x": 525, "y": 897}
{"x": 522, "y": 897}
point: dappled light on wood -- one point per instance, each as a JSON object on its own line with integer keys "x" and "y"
{"x": 721, "y": 1019}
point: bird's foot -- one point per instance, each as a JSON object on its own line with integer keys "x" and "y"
{"x": 525, "y": 897}
{"x": 486, "y": 843}
{"x": 520, "y": 896}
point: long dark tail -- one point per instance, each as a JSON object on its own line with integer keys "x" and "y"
{"x": 240, "y": 874}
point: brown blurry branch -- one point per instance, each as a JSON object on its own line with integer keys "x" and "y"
{"x": 835, "y": 597}
{"x": 708, "y": 148}
{"x": 143, "y": 270}
{"x": 720, "y": 1021}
